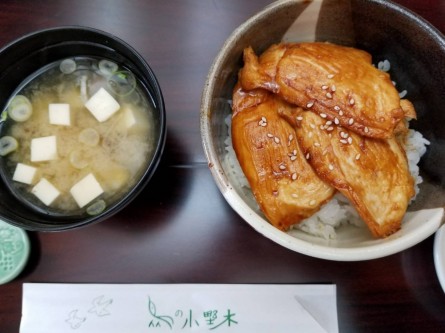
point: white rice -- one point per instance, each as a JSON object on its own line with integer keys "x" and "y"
{"x": 415, "y": 147}
{"x": 338, "y": 211}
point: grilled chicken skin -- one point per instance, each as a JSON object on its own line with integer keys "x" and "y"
{"x": 336, "y": 81}
{"x": 283, "y": 183}
{"x": 372, "y": 173}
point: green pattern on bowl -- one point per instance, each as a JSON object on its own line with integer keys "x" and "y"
{"x": 14, "y": 251}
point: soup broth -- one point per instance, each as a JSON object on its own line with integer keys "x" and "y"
{"x": 80, "y": 140}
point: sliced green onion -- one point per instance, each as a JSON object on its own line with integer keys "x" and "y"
{"x": 67, "y": 66}
{"x": 122, "y": 83}
{"x": 20, "y": 108}
{"x": 96, "y": 208}
{"x": 4, "y": 116}
{"x": 7, "y": 145}
{"x": 107, "y": 67}
{"x": 78, "y": 159}
{"x": 89, "y": 136}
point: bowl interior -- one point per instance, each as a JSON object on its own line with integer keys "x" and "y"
{"x": 29, "y": 54}
{"x": 415, "y": 50}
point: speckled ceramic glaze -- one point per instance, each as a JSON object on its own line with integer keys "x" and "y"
{"x": 416, "y": 51}
{"x": 14, "y": 251}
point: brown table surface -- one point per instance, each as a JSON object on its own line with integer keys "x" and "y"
{"x": 180, "y": 229}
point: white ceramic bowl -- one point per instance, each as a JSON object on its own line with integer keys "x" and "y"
{"x": 416, "y": 51}
{"x": 439, "y": 255}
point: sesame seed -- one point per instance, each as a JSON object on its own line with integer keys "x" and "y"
{"x": 291, "y": 137}
{"x": 276, "y": 139}
{"x": 323, "y": 115}
{"x": 308, "y": 156}
{"x": 357, "y": 157}
{"x": 336, "y": 108}
{"x": 350, "y": 140}
{"x": 269, "y": 135}
{"x": 316, "y": 144}
{"x": 300, "y": 118}
{"x": 340, "y": 113}
{"x": 333, "y": 88}
{"x": 324, "y": 87}
{"x": 343, "y": 141}
{"x": 309, "y": 105}
{"x": 331, "y": 167}
{"x": 330, "y": 128}
{"x": 344, "y": 135}
{"x": 294, "y": 152}
{"x": 310, "y": 134}
{"x": 351, "y": 121}
{"x": 294, "y": 176}
{"x": 330, "y": 76}
{"x": 312, "y": 126}
{"x": 328, "y": 95}
{"x": 312, "y": 202}
{"x": 282, "y": 167}
{"x": 322, "y": 127}
{"x": 263, "y": 122}
{"x": 366, "y": 129}
{"x": 328, "y": 123}
{"x": 293, "y": 158}
{"x": 351, "y": 101}
{"x": 336, "y": 121}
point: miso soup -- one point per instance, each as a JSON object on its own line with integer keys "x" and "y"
{"x": 76, "y": 136}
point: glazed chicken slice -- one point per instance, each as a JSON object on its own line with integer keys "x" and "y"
{"x": 334, "y": 81}
{"x": 402, "y": 127}
{"x": 372, "y": 173}
{"x": 283, "y": 183}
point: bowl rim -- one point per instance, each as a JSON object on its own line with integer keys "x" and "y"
{"x": 375, "y": 251}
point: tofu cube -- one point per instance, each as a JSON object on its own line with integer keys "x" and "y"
{"x": 129, "y": 118}
{"x": 102, "y": 105}
{"x": 86, "y": 190}
{"x": 45, "y": 191}
{"x": 24, "y": 173}
{"x": 44, "y": 149}
{"x": 59, "y": 114}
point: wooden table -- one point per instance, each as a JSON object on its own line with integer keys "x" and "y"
{"x": 180, "y": 229}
